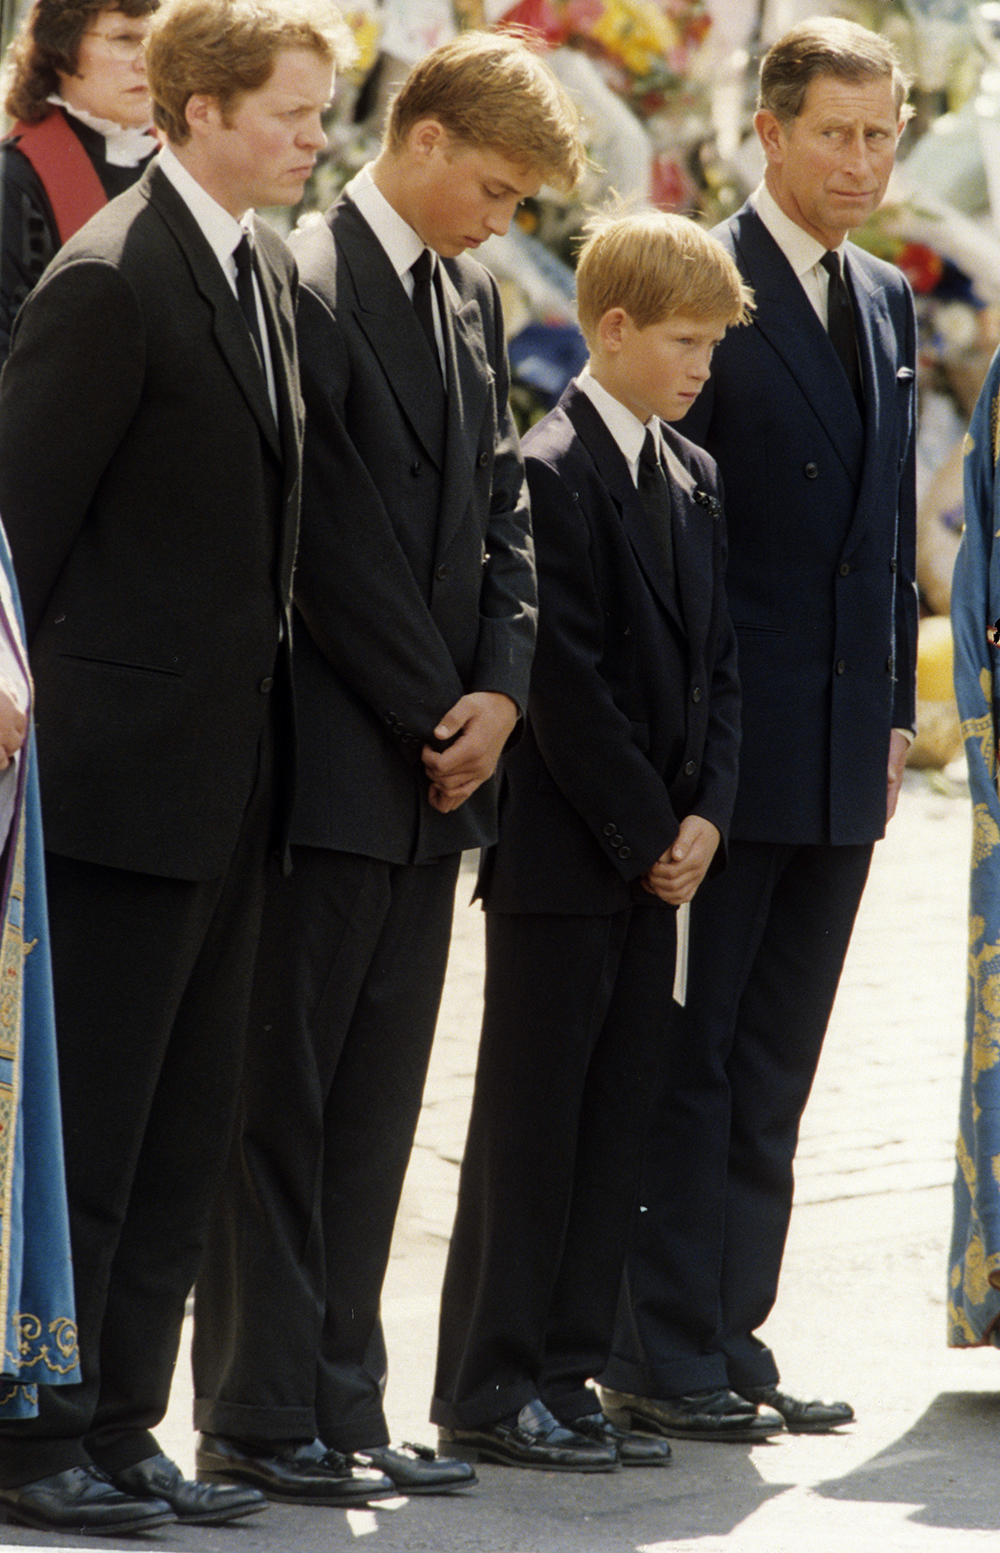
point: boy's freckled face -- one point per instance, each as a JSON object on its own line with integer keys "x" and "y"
{"x": 464, "y": 194}
{"x": 661, "y": 369}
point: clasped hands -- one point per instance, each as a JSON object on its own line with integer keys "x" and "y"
{"x": 483, "y": 721}
{"x": 676, "y": 875}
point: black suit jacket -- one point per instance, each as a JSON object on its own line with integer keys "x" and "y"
{"x": 820, "y": 508}
{"x": 415, "y": 580}
{"x": 151, "y": 503}
{"x": 633, "y": 714}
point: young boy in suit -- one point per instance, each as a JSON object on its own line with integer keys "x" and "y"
{"x": 614, "y": 806}
{"x": 415, "y": 593}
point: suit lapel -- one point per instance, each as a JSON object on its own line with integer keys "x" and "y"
{"x": 386, "y": 316}
{"x": 788, "y": 321}
{"x": 229, "y": 326}
{"x": 616, "y": 476}
{"x": 880, "y": 352}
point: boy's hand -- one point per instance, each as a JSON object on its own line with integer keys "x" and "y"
{"x": 677, "y": 874}
{"x": 483, "y": 721}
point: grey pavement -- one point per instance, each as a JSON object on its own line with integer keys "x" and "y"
{"x": 860, "y": 1313}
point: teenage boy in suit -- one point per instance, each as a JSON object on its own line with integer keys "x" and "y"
{"x": 615, "y": 806}
{"x": 149, "y": 478}
{"x": 415, "y": 592}
{"x": 810, "y": 414}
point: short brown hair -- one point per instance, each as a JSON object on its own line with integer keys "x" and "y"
{"x": 47, "y": 45}
{"x": 655, "y": 265}
{"x": 493, "y": 90}
{"x": 223, "y": 48}
{"x": 826, "y": 46}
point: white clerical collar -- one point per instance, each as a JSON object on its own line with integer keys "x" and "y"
{"x": 627, "y": 429}
{"x": 401, "y": 243}
{"x": 800, "y": 248}
{"x": 124, "y": 145}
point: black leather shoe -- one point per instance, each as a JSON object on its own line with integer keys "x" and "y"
{"x": 533, "y": 1439}
{"x": 194, "y": 1504}
{"x": 634, "y": 1449}
{"x": 289, "y": 1474}
{"x": 416, "y": 1469}
{"x": 715, "y": 1414}
{"x": 802, "y": 1417}
{"x": 82, "y": 1499}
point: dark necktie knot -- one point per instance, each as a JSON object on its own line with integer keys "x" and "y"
{"x": 840, "y": 322}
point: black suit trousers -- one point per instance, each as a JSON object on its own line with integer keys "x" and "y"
{"x": 152, "y": 982}
{"x": 577, "y": 1013}
{"x": 768, "y": 941}
{"x": 346, "y": 995}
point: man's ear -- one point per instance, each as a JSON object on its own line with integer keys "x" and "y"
{"x": 426, "y": 137}
{"x": 201, "y": 112}
{"x": 770, "y": 134}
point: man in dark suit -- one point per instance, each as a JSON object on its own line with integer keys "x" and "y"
{"x": 810, "y": 415}
{"x": 415, "y": 593}
{"x": 613, "y": 808}
{"x": 149, "y": 476}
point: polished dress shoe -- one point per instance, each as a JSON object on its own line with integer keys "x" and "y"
{"x": 82, "y": 1499}
{"x": 416, "y": 1469}
{"x": 634, "y": 1449}
{"x": 713, "y": 1414}
{"x": 531, "y": 1439}
{"x": 802, "y": 1417}
{"x": 194, "y": 1504}
{"x": 287, "y": 1472}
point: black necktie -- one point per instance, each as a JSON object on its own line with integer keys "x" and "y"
{"x": 243, "y": 255}
{"x": 422, "y": 270}
{"x": 840, "y": 322}
{"x": 654, "y": 494}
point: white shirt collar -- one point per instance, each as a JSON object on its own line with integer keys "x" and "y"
{"x": 627, "y": 429}
{"x": 124, "y": 146}
{"x": 221, "y": 230}
{"x": 400, "y": 241}
{"x": 801, "y": 250}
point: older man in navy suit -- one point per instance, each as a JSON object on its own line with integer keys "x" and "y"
{"x": 810, "y": 417}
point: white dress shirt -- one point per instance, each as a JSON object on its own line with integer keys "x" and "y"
{"x": 402, "y": 245}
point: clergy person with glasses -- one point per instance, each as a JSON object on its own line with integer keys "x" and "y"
{"x": 810, "y": 416}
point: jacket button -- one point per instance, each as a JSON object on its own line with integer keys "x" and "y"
{"x": 618, "y": 841}
{"x": 811, "y": 471}
{"x": 841, "y": 666}
{"x": 624, "y": 852}
{"x": 265, "y": 686}
{"x": 690, "y": 768}
{"x": 442, "y": 573}
{"x": 696, "y": 693}
{"x": 483, "y": 460}
{"x": 610, "y": 828}
{"x": 893, "y": 565}
{"x": 844, "y": 568}
{"x": 415, "y": 467}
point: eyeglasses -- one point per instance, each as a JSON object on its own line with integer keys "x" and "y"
{"x": 126, "y": 46}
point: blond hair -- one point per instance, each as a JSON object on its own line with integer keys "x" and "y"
{"x": 655, "y": 265}
{"x": 224, "y": 48}
{"x": 827, "y": 46}
{"x": 493, "y": 91}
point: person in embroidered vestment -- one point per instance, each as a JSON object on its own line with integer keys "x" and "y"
{"x": 75, "y": 85}
{"x": 37, "y": 1318}
{"x": 974, "y": 1261}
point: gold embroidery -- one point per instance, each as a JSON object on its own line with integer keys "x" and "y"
{"x": 32, "y": 1352}
{"x": 985, "y": 834}
{"x": 975, "y": 1283}
{"x": 966, "y": 1164}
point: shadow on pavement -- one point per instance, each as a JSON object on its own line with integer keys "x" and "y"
{"x": 937, "y": 1466}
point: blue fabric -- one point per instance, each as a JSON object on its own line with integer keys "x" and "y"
{"x": 974, "y": 1262}
{"x": 37, "y": 1316}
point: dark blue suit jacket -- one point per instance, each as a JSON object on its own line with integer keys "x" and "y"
{"x": 820, "y": 509}
{"x": 633, "y": 712}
